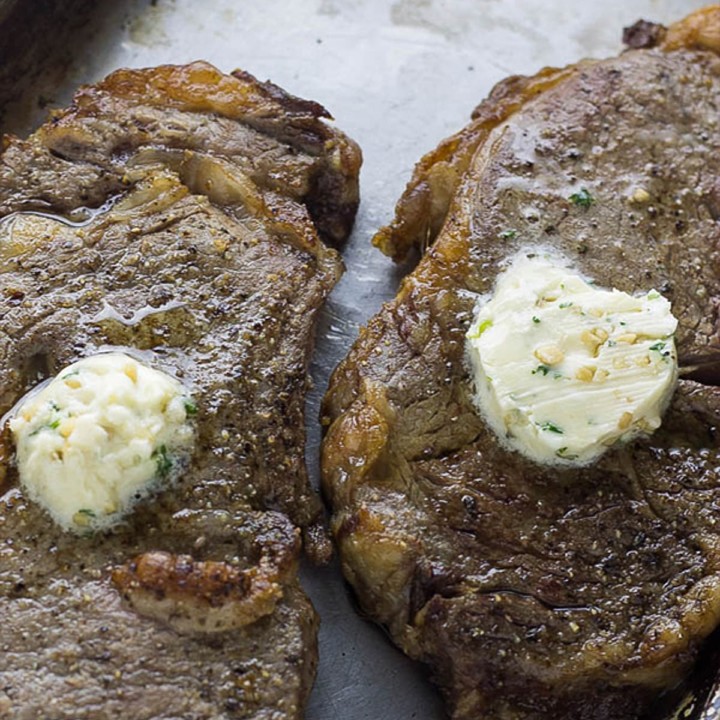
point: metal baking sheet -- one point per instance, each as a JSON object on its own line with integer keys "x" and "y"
{"x": 397, "y": 76}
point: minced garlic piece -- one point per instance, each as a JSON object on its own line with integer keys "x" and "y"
{"x": 105, "y": 432}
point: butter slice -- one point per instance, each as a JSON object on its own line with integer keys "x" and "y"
{"x": 105, "y": 432}
{"x": 564, "y": 370}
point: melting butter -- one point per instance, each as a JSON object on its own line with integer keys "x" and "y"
{"x": 105, "y": 432}
{"x": 564, "y": 370}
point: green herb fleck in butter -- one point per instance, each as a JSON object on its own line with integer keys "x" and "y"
{"x": 582, "y": 198}
{"x": 576, "y": 369}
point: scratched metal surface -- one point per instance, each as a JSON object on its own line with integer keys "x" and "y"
{"x": 398, "y": 76}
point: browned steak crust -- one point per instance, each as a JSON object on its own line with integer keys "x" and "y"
{"x": 179, "y": 213}
{"x": 535, "y": 592}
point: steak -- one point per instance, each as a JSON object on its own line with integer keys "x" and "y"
{"x": 535, "y": 591}
{"x": 178, "y": 214}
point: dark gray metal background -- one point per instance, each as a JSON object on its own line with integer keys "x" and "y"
{"x": 398, "y": 77}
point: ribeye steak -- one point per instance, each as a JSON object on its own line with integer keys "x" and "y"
{"x": 178, "y": 213}
{"x": 540, "y": 592}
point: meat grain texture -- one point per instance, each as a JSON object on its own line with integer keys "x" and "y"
{"x": 536, "y": 592}
{"x": 181, "y": 215}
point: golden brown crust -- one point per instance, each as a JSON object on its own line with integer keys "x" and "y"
{"x": 200, "y": 596}
{"x": 198, "y": 87}
{"x": 193, "y": 595}
{"x": 698, "y": 31}
{"x": 424, "y": 206}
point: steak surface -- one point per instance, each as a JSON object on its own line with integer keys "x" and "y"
{"x": 177, "y": 214}
{"x": 543, "y": 592}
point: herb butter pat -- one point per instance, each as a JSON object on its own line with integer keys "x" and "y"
{"x": 104, "y": 433}
{"x": 564, "y": 370}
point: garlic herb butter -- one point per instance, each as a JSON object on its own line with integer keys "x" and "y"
{"x": 105, "y": 432}
{"x": 564, "y": 370}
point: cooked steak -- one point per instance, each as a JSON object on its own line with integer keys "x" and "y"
{"x": 543, "y": 592}
{"x": 177, "y": 213}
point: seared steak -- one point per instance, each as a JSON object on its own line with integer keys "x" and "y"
{"x": 176, "y": 213}
{"x": 539, "y": 592}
